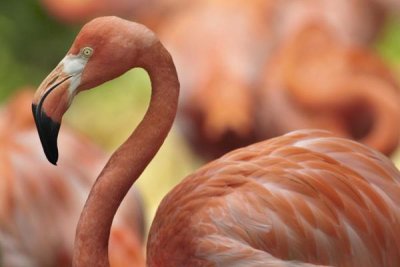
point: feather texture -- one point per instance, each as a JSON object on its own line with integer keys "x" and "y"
{"x": 307, "y": 198}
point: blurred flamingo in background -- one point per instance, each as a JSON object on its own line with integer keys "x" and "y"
{"x": 71, "y": 11}
{"x": 362, "y": 16}
{"x": 221, "y": 60}
{"x": 389, "y": 5}
{"x": 316, "y": 81}
{"x": 352, "y": 21}
{"x": 40, "y": 204}
{"x": 307, "y": 198}
{"x": 151, "y": 12}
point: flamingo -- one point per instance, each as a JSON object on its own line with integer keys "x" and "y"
{"x": 223, "y": 90}
{"x": 40, "y": 204}
{"x": 151, "y": 12}
{"x": 73, "y": 12}
{"x": 316, "y": 81}
{"x": 213, "y": 77}
{"x": 389, "y": 5}
{"x": 307, "y": 198}
{"x": 353, "y": 21}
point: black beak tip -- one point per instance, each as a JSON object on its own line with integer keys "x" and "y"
{"x": 48, "y": 133}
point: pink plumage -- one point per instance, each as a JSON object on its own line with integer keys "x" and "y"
{"x": 307, "y": 198}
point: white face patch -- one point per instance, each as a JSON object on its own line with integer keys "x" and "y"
{"x": 74, "y": 65}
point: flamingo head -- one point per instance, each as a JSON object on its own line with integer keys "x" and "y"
{"x": 104, "y": 49}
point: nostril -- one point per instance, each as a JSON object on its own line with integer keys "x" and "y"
{"x": 53, "y": 80}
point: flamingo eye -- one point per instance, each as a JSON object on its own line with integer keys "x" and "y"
{"x": 87, "y": 52}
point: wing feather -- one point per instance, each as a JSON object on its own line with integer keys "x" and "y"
{"x": 304, "y": 199}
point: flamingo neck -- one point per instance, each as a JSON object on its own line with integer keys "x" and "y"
{"x": 128, "y": 162}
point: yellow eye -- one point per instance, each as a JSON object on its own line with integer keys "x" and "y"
{"x": 87, "y": 52}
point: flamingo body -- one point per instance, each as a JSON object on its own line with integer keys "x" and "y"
{"x": 306, "y": 198}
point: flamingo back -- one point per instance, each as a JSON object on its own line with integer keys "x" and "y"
{"x": 307, "y": 198}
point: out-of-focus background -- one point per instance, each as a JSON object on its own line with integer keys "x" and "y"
{"x": 249, "y": 70}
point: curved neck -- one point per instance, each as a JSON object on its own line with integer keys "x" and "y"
{"x": 128, "y": 162}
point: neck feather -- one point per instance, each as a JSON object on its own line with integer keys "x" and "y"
{"x": 128, "y": 162}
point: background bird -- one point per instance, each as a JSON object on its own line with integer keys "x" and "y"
{"x": 40, "y": 204}
{"x": 76, "y": 12}
{"x": 223, "y": 89}
{"x": 307, "y": 198}
{"x": 316, "y": 81}
{"x": 151, "y": 12}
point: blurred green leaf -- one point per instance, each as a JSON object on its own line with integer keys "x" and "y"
{"x": 31, "y": 44}
{"x": 388, "y": 44}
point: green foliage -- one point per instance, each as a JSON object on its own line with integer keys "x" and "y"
{"x": 31, "y": 44}
{"x": 389, "y": 43}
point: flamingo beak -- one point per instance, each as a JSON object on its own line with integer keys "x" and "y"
{"x": 53, "y": 98}
{"x": 50, "y": 102}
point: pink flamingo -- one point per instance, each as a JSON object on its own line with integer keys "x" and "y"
{"x": 224, "y": 90}
{"x": 151, "y": 12}
{"x": 316, "y": 81}
{"x": 40, "y": 204}
{"x": 71, "y": 11}
{"x": 307, "y": 198}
